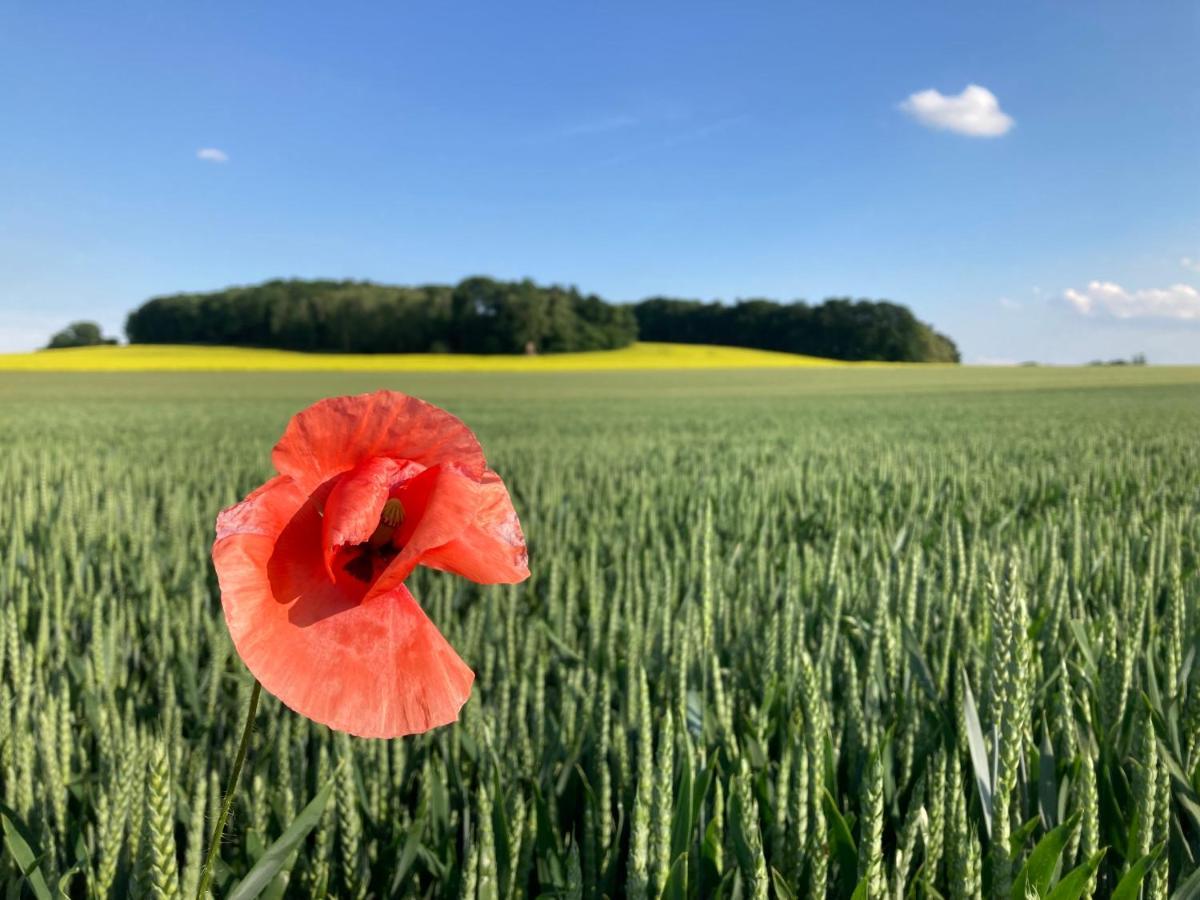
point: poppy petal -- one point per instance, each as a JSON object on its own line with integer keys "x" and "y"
{"x": 439, "y": 505}
{"x": 256, "y": 515}
{"x": 372, "y": 666}
{"x": 491, "y": 550}
{"x": 336, "y": 434}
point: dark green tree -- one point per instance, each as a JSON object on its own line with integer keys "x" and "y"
{"x": 79, "y": 334}
{"x": 839, "y": 328}
{"x": 483, "y": 315}
{"x": 479, "y": 315}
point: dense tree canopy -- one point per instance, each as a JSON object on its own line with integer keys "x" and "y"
{"x": 79, "y": 334}
{"x": 478, "y": 315}
{"x": 839, "y": 328}
{"x": 481, "y": 315}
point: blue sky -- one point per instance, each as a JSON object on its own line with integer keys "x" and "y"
{"x": 701, "y": 150}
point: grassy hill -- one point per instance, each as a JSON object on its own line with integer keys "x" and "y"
{"x": 159, "y": 357}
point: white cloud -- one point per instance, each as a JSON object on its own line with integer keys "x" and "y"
{"x": 975, "y": 112}
{"x": 1189, "y": 262}
{"x": 1179, "y": 301}
{"x": 212, "y": 154}
{"x": 1010, "y": 303}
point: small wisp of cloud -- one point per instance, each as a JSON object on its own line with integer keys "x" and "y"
{"x": 975, "y": 112}
{"x": 212, "y": 155}
{"x": 1179, "y": 302}
{"x": 674, "y": 140}
{"x": 599, "y": 125}
{"x": 1190, "y": 262}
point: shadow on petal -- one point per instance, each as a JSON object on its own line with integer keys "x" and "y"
{"x": 298, "y": 577}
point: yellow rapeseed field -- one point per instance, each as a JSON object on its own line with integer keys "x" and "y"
{"x": 156, "y": 357}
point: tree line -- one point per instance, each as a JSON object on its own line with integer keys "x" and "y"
{"x": 839, "y": 328}
{"x": 478, "y": 315}
{"x": 483, "y": 315}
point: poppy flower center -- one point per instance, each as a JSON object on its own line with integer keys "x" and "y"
{"x": 363, "y": 562}
{"x": 368, "y": 516}
{"x": 389, "y": 521}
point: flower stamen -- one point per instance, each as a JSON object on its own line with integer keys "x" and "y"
{"x": 389, "y": 520}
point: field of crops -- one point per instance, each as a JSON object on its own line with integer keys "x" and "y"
{"x": 812, "y": 633}
{"x": 169, "y": 357}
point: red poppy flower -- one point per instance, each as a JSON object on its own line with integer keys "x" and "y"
{"x": 312, "y": 564}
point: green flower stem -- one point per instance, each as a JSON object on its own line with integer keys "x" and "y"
{"x": 214, "y": 845}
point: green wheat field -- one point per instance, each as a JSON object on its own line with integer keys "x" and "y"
{"x": 872, "y": 633}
